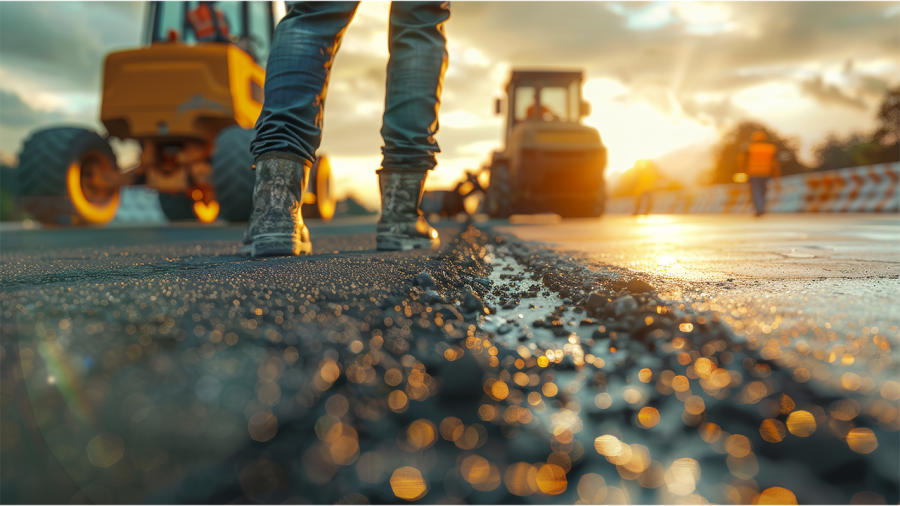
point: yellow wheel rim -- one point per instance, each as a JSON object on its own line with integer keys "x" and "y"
{"x": 206, "y": 213}
{"x": 324, "y": 199}
{"x": 91, "y": 211}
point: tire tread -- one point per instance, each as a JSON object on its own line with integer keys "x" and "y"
{"x": 233, "y": 177}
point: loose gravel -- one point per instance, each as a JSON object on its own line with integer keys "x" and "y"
{"x": 492, "y": 371}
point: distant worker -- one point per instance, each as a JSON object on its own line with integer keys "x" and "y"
{"x": 208, "y": 27}
{"x": 542, "y": 113}
{"x": 759, "y": 161}
{"x": 289, "y": 128}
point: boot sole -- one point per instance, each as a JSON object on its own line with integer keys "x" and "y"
{"x": 389, "y": 242}
{"x": 275, "y": 248}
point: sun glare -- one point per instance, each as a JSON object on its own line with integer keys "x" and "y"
{"x": 635, "y": 130}
{"x": 460, "y": 119}
{"x": 702, "y": 13}
{"x": 768, "y": 98}
{"x": 666, "y": 260}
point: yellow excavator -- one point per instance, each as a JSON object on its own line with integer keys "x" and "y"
{"x": 190, "y": 96}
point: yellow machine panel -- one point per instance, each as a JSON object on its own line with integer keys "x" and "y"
{"x": 180, "y": 91}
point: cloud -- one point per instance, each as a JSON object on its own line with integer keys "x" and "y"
{"x": 51, "y": 62}
{"x": 18, "y": 120}
{"x": 766, "y": 34}
{"x": 830, "y": 94}
{"x": 870, "y": 86}
{"x": 60, "y": 46}
{"x": 719, "y": 111}
{"x": 16, "y": 113}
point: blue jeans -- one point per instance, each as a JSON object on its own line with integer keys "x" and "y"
{"x": 303, "y": 49}
{"x": 758, "y": 191}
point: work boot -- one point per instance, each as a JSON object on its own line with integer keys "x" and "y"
{"x": 402, "y": 226}
{"x": 276, "y": 227}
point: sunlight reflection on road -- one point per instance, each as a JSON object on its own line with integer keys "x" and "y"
{"x": 719, "y": 247}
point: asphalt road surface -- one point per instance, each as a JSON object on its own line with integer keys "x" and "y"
{"x": 661, "y": 359}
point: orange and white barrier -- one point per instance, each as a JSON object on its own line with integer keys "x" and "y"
{"x": 859, "y": 190}
{"x": 868, "y": 189}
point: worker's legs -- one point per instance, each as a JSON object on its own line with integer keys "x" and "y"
{"x": 415, "y": 74}
{"x": 303, "y": 49}
{"x": 289, "y": 128}
{"x": 758, "y": 191}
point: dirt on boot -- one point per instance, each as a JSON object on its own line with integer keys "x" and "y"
{"x": 402, "y": 226}
{"x": 276, "y": 227}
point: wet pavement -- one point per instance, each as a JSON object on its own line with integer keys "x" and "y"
{"x": 716, "y": 248}
{"x": 623, "y": 364}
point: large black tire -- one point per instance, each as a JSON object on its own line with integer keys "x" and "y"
{"x": 43, "y": 168}
{"x": 233, "y": 175}
{"x": 498, "y": 197}
{"x": 177, "y": 207}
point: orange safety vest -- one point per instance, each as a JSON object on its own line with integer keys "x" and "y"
{"x": 530, "y": 110}
{"x": 760, "y": 159}
{"x": 201, "y": 21}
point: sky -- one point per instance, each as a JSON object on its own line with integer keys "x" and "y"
{"x": 665, "y": 79}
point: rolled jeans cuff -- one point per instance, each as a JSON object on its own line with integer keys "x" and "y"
{"x": 284, "y": 155}
{"x": 407, "y": 162}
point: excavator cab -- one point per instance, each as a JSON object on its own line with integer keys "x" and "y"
{"x": 249, "y": 25}
{"x": 544, "y": 96}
